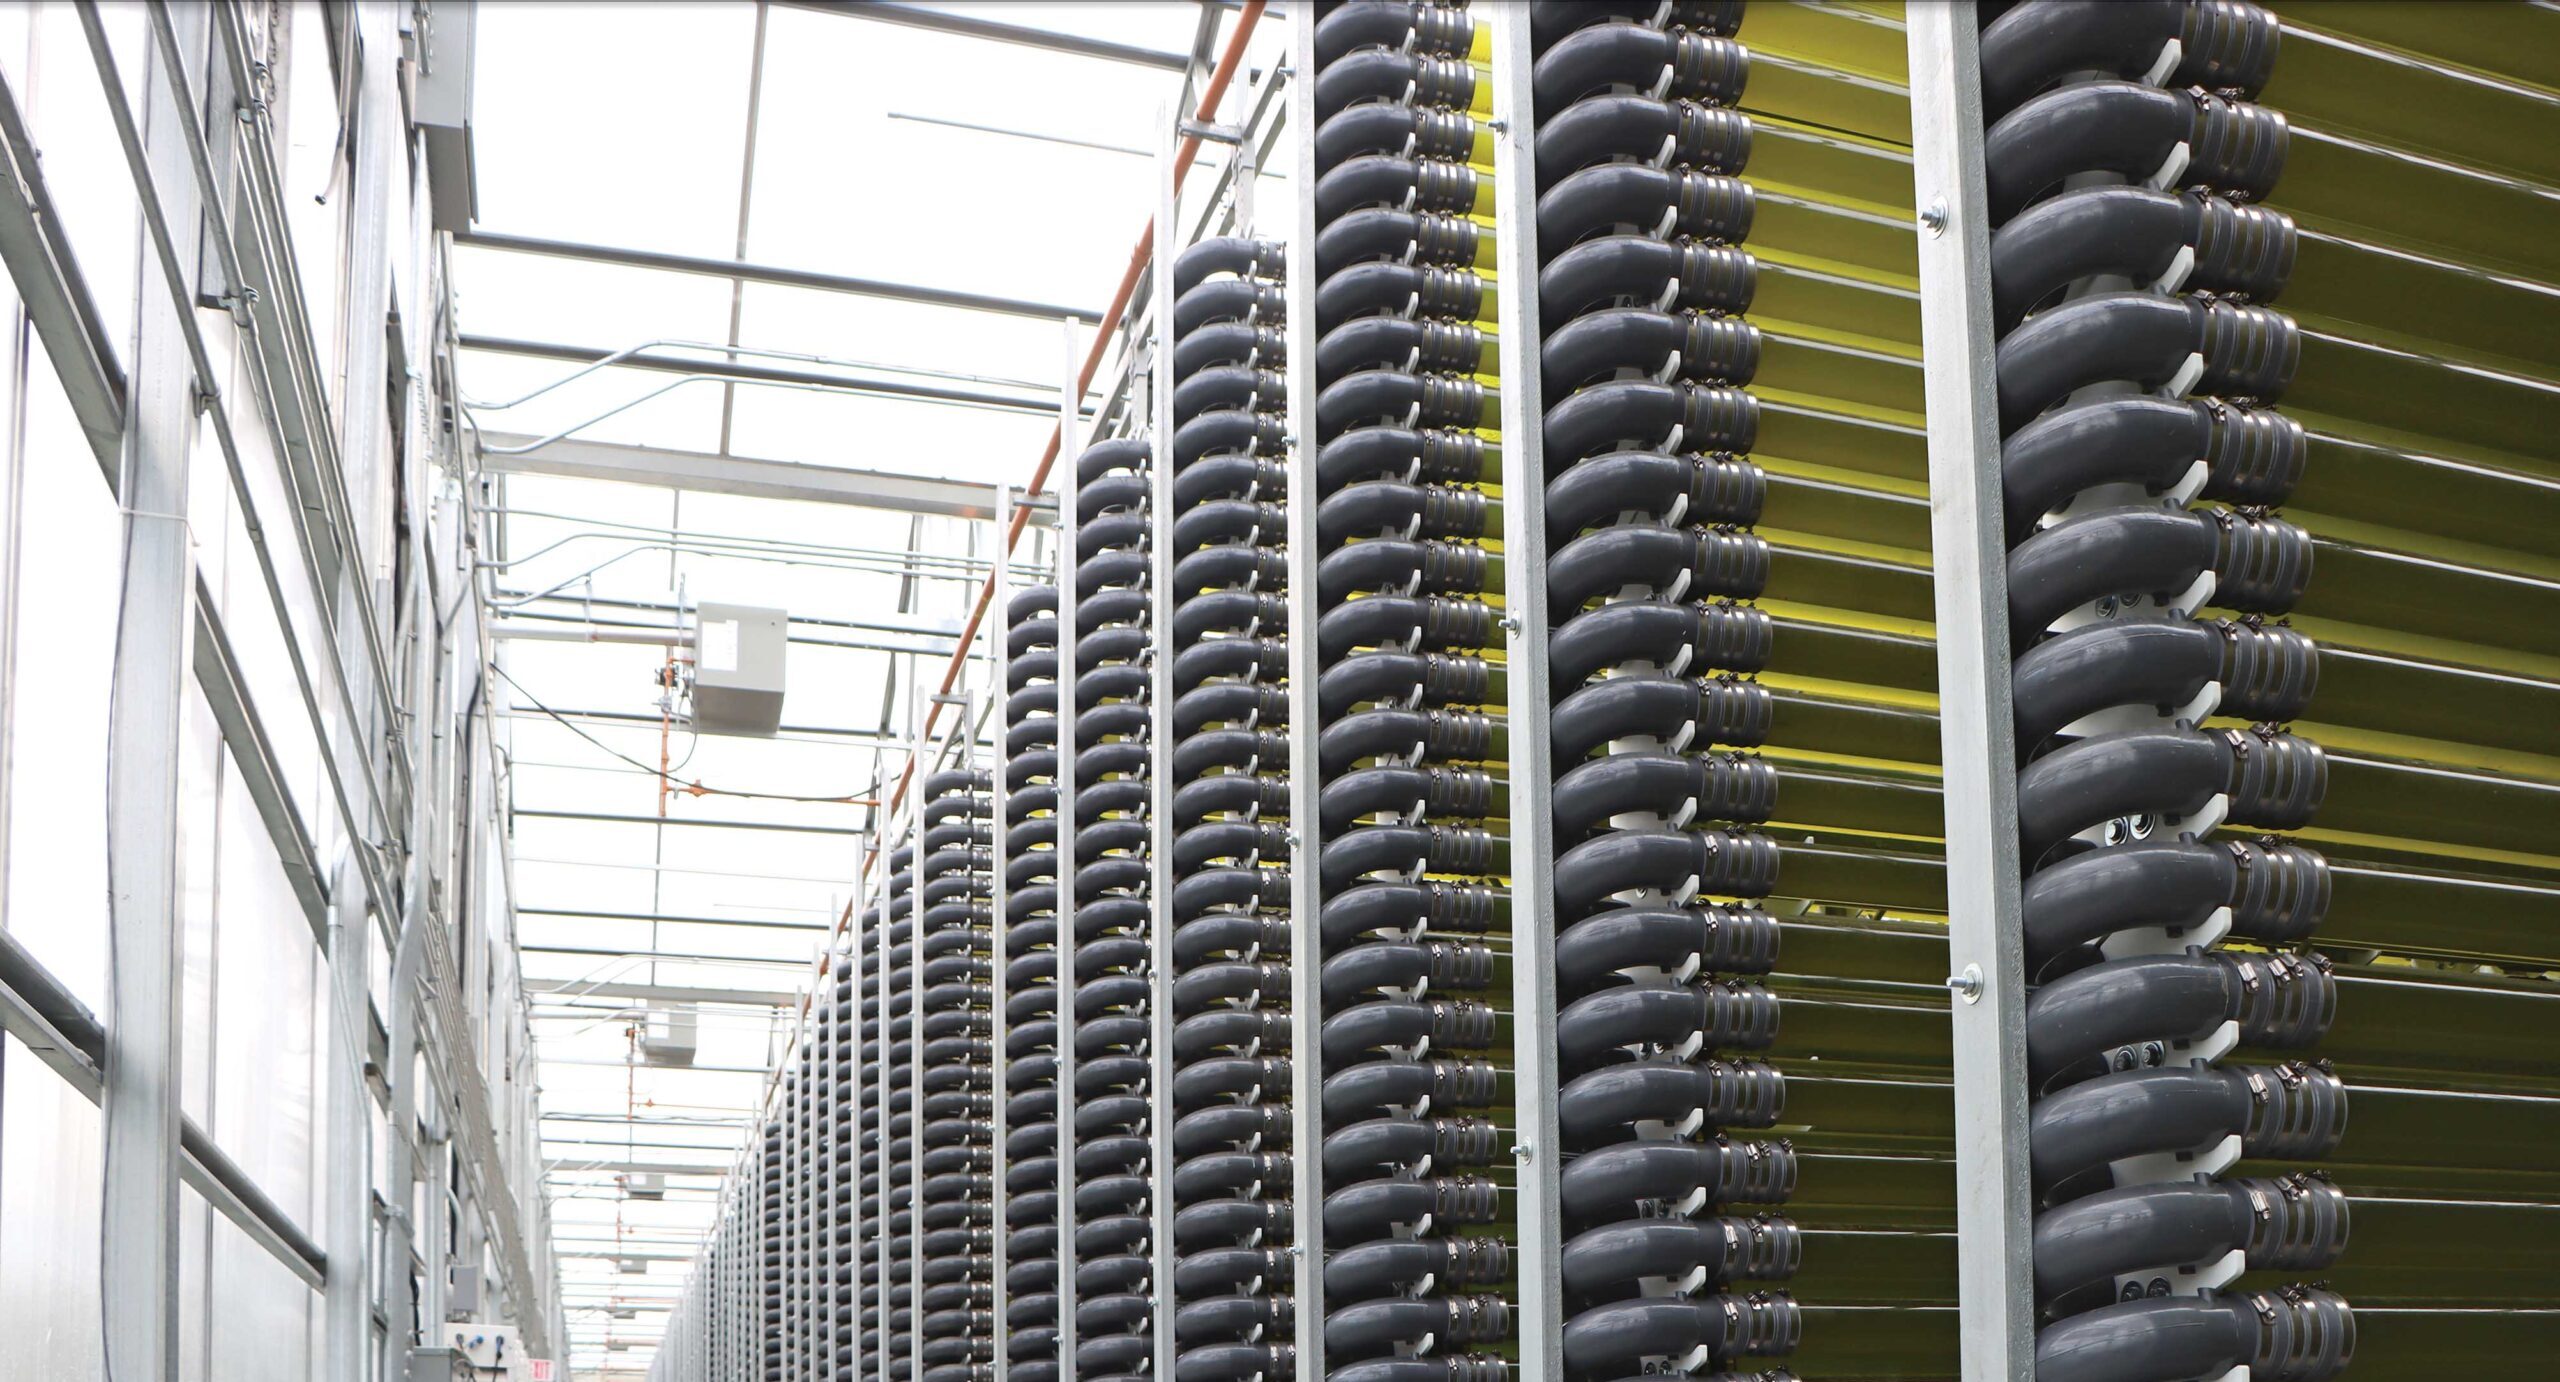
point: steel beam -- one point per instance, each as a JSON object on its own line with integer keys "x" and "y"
{"x": 705, "y": 473}
{"x": 1306, "y": 888}
{"x": 761, "y": 374}
{"x": 145, "y": 1048}
{"x": 1969, "y": 550}
{"x": 1538, "y": 1136}
{"x": 999, "y": 988}
{"x": 660, "y": 993}
{"x": 59, "y": 306}
{"x": 1160, "y": 747}
{"x": 739, "y": 271}
{"x": 996, "y": 31}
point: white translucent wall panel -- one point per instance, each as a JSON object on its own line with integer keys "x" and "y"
{"x": 51, "y": 1161}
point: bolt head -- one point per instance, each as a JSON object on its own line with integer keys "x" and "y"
{"x": 1934, "y": 217}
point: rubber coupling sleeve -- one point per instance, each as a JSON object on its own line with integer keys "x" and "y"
{"x": 1644, "y": 271}
{"x": 1399, "y": 181}
{"x": 2221, "y": 45}
{"x": 1673, "y": 490}
{"x": 2263, "y": 672}
{"x": 1375, "y": 1209}
{"x": 1673, "y": 637}
{"x": 1404, "y": 454}
{"x": 1399, "y": 1267}
{"x": 1409, "y": 1087}
{"x": 1674, "y": 563}
{"x": 2146, "y": 339}
{"x": 1645, "y": 129}
{"x": 2274, "y": 780}
{"x": 1716, "y": 787}
{"x": 2297, "y": 1334}
{"x": 1641, "y": 414}
{"x": 1551, "y": 20}
{"x": 1230, "y": 343}
{"x": 1437, "y": 793}
{"x": 2291, "y": 1112}
{"x": 1681, "y": 862}
{"x": 1401, "y": 343}
{"x": 1393, "y": 234}
{"x": 1241, "y": 255}
{"x": 1614, "y": 1258}
{"x": 1639, "y": 57}
{"x": 1625, "y": 1337}
{"x": 1410, "y": 680}
{"x": 1410, "y": 736}
{"x": 2135, "y": 132}
{"x": 1230, "y": 566}
{"x": 1417, "y": 568}
{"x": 1404, "y": 623}
{"x": 1394, "y": 24}
{"x": 1675, "y": 710}
{"x": 1648, "y": 1020}
{"x": 1640, "y": 199}
{"x": 1410, "y": 908}
{"x": 1227, "y": 387}
{"x": 1231, "y": 433}
{"x": 1246, "y": 300}
{"x": 1104, "y": 457}
{"x": 1405, "y": 78}
{"x": 2121, "y": 1012}
{"x": 1678, "y": 942}
{"x": 1395, "y": 509}
{"x": 2259, "y": 565}
{"x": 1379, "y": 1328}
{"x": 2188, "y": 241}
{"x": 1412, "y": 850}
{"x": 1397, "y": 289}
{"x": 1383, "y": 397}
{"x": 2251, "y": 456}
{"x": 1618, "y": 341}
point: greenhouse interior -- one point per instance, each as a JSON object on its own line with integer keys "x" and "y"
{"x": 1348, "y": 690}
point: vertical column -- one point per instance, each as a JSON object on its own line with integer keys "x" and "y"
{"x": 154, "y": 628}
{"x": 1995, "y": 1287}
{"x": 1538, "y": 1140}
{"x": 1306, "y": 886}
{"x": 921, "y": 747}
{"x": 999, "y": 919}
{"x": 1062, "y": 1103}
{"x": 1160, "y": 746}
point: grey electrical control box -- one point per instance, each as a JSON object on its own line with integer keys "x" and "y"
{"x": 737, "y": 669}
{"x": 438, "y": 1365}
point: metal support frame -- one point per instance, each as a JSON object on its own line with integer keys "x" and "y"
{"x": 1537, "y": 1135}
{"x": 146, "y": 936}
{"x": 970, "y": 26}
{"x": 704, "y": 472}
{"x": 999, "y": 636}
{"x": 1168, "y": 243}
{"x": 1995, "y": 1283}
{"x": 1070, "y": 450}
{"x": 1306, "y": 888}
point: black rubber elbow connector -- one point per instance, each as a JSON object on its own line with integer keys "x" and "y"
{"x": 1203, "y": 893}
{"x": 1640, "y": 57}
{"x": 1669, "y": 489}
{"x": 1393, "y": 508}
{"x": 2111, "y": 1010}
{"x": 1439, "y": 136}
{"x": 1398, "y": 289}
{"x": 1223, "y": 387}
{"x": 2298, "y": 1334}
{"x": 1439, "y": 793}
{"x": 1716, "y": 862}
{"x": 1676, "y": 563}
{"x": 1421, "y": 736}
{"x": 1394, "y": 24}
{"x": 2234, "y": 147}
{"x": 2250, "y": 455}
{"x": 2274, "y": 780}
{"x": 1104, "y": 457}
{"x": 1618, "y": 341}
{"x": 1247, "y": 300}
{"x": 1229, "y": 566}
{"x": 2287, "y": 1112}
{"x": 1224, "y": 521}
{"x": 2221, "y": 45}
{"x": 1397, "y": 342}
{"x": 2291, "y": 1223}
{"x": 1642, "y": 414}
{"x": 1244, "y": 659}
{"x": 1399, "y": 77}
{"x": 1411, "y": 850}
{"x": 1645, "y": 200}
{"x": 1409, "y": 680}
{"x": 1109, "y": 571}
{"x": 1039, "y": 599}
{"x": 1372, "y": 1210}
{"x": 1730, "y": 713}
{"x": 1404, "y": 623}
{"x": 1388, "y": 564}
{"x": 1712, "y": 788}
{"x": 1110, "y": 494}
{"x": 1386, "y": 233}
{"x": 1383, "y": 1087}
{"x": 1402, "y": 908}
{"x": 1231, "y": 1362}
{"x": 1225, "y": 477}
{"x": 1242, "y": 704}
{"x": 1604, "y": 1105}
{"x": 2146, "y": 339}
{"x": 1235, "y": 433}
{"x": 2179, "y": 241}
{"x": 2264, "y": 673}
{"x": 1247, "y": 612}
{"x": 1612, "y": 1259}
{"x": 1551, "y": 20}
{"x": 1404, "y": 454}
{"x": 1645, "y": 271}
{"x": 1621, "y": 1337}
{"x": 1376, "y": 1328}
{"x": 1382, "y": 397}
{"x": 1675, "y": 637}
{"x": 1241, "y": 255}
{"x": 1394, "y": 180}
{"x": 1638, "y": 127}
{"x": 2259, "y": 565}
{"x": 1395, "y": 1267}
{"x": 1701, "y": 939}
{"x": 1605, "y": 1026}
{"x": 1230, "y": 343}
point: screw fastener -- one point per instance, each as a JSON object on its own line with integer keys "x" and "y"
{"x": 1968, "y": 985}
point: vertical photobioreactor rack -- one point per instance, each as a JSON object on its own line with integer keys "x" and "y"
{"x": 1482, "y": 867}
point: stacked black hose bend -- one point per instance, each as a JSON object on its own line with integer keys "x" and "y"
{"x": 770, "y": 1269}
{"x": 955, "y": 1150}
{"x": 1672, "y": 1239}
{"x": 896, "y": 1335}
{"x": 841, "y": 1039}
{"x": 1414, "y": 870}
{"x": 871, "y": 1143}
{"x": 2137, "y": 367}
{"x": 1029, "y": 1026}
{"x": 1107, "y": 1241}
{"x": 1228, "y": 756}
